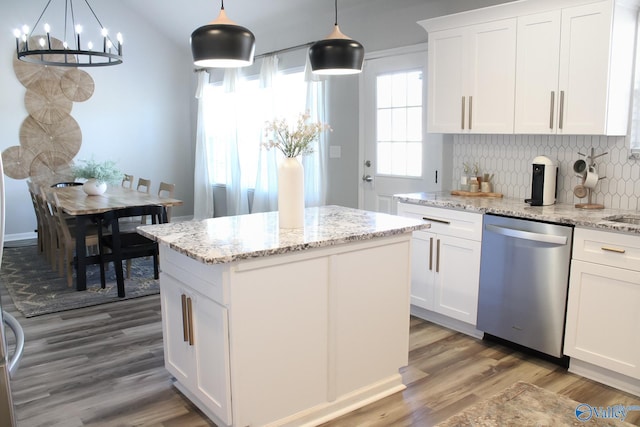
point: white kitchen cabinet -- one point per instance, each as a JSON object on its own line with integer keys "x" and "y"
{"x": 603, "y": 320}
{"x": 250, "y": 332}
{"x": 195, "y": 332}
{"x": 574, "y": 70}
{"x": 445, "y": 262}
{"x": 533, "y": 67}
{"x": 471, "y": 78}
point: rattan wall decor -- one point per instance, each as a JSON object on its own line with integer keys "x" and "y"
{"x": 49, "y": 137}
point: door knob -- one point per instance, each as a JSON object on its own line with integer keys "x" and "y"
{"x": 367, "y": 178}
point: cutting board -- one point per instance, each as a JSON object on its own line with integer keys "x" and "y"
{"x": 476, "y": 194}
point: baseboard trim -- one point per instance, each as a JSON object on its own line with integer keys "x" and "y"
{"x": 605, "y": 376}
{"x": 447, "y": 322}
{"x": 20, "y": 236}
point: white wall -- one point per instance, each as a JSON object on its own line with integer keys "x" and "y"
{"x": 139, "y": 115}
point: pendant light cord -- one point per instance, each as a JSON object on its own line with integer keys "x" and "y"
{"x": 222, "y": 4}
{"x": 336, "y": 23}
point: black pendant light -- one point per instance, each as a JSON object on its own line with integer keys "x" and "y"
{"x": 222, "y": 44}
{"x": 336, "y": 54}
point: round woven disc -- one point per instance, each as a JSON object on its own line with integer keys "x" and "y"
{"x": 77, "y": 85}
{"x": 49, "y": 167}
{"x": 17, "y": 161}
{"x": 62, "y": 137}
{"x": 28, "y": 72}
{"x": 45, "y": 101}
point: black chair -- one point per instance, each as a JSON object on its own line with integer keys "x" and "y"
{"x": 128, "y": 244}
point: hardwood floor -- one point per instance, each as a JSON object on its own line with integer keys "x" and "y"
{"x": 103, "y": 366}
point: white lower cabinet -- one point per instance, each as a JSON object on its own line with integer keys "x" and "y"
{"x": 603, "y": 319}
{"x": 445, "y": 261}
{"x": 196, "y": 342}
{"x": 290, "y": 339}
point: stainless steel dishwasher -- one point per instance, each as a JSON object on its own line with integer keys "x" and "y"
{"x": 524, "y": 277}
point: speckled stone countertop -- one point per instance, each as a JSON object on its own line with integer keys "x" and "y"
{"x": 228, "y": 239}
{"x": 560, "y": 213}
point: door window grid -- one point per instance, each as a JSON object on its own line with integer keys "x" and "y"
{"x": 399, "y": 124}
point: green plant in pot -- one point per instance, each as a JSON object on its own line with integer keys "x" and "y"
{"x": 97, "y": 174}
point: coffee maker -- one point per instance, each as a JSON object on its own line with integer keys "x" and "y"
{"x": 543, "y": 182}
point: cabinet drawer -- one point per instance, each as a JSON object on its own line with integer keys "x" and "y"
{"x": 206, "y": 279}
{"x": 602, "y": 247}
{"x": 449, "y": 222}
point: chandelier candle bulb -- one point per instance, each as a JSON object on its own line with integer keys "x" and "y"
{"x": 47, "y": 29}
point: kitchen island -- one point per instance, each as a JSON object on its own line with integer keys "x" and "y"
{"x": 264, "y": 326}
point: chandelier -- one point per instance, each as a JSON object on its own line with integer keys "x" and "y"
{"x": 69, "y": 51}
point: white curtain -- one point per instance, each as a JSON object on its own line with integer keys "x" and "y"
{"x": 237, "y": 201}
{"x": 265, "y": 196}
{"x": 203, "y": 191}
{"x": 315, "y": 165}
{"x": 230, "y": 143}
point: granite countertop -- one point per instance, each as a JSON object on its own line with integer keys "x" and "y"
{"x": 561, "y": 213}
{"x": 228, "y": 239}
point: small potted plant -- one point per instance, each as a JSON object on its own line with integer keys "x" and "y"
{"x": 97, "y": 174}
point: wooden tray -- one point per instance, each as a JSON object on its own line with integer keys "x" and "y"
{"x": 476, "y": 194}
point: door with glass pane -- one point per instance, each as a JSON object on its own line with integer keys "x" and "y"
{"x": 398, "y": 156}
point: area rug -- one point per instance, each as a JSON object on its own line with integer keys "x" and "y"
{"x": 525, "y": 404}
{"x": 36, "y": 289}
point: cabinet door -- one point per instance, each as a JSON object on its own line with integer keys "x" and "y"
{"x": 422, "y": 269}
{"x": 178, "y": 355}
{"x": 446, "y": 79}
{"x": 491, "y": 82}
{"x": 211, "y": 346}
{"x": 603, "y": 320}
{"x": 538, "y": 57}
{"x": 584, "y": 68}
{"x": 457, "y": 267}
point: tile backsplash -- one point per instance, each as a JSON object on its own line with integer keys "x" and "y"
{"x": 509, "y": 158}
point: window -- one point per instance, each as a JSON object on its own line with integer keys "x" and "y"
{"x": 252, "y": 101}
{"x": 399, "y": 121}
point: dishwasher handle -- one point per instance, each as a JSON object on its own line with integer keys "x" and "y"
{"x": 527, "y": 235}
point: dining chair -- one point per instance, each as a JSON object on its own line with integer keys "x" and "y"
{"x": 144, "y": 185}
{"x": 67, "y": 239}
{"x": 166, "y": 190}
{"x": 50, "y": 231}
{"x": 40, "y": 228}
{"x": 127, "y": 181}
{"x": 125, "y": 245}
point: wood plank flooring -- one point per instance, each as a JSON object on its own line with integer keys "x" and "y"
{"x": 103, "y": 366}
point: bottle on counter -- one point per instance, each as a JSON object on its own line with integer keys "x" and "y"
{"x": 464, "y": 178}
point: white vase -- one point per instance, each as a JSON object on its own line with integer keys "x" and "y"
{"x": 94, "y": 188}
{"x": 291, "y": 193}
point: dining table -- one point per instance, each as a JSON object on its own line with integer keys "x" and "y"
{"x": 85, "y": 208}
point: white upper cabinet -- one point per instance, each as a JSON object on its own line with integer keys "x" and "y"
{"x": 538, "y": 62}
{"x": 471, "y": 78}
{"x": 571, "y": 70}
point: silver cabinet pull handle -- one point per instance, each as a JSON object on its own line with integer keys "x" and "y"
{"x": 430, "y": 253}
{"x": 553, "y": 100}
{"x": 438, "y": 257}
{"x": 462, "y": 115}
{"x": 470, "y": 110}
{"x": 185, "y": 319}
{"x": 441, "y": 221}
{"x": 190, "y": 315}
{"x": 616, "y": 250}
{"x": 561, "y": 120}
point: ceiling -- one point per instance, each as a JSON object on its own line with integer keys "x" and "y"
{"x": 178, "y": 21}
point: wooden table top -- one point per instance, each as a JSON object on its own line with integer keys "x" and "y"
{"x": 74, "y": 201}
